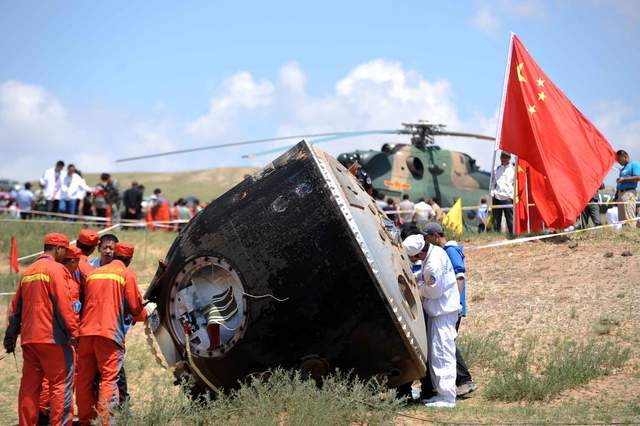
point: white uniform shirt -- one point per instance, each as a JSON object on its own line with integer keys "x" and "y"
{"x": 52, "y": 183}
{"x": 503, "y": 182}
{"x": 406, "y": 209}
{"x": 423, "y": 212}
{"x": 437, "y": 284}
{"x": 74, "y": 187}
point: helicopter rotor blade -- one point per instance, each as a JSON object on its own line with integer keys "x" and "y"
{"x": 330, "y": 138}
{"x": 465, "y": 135}
{"x": 231, "y": 144}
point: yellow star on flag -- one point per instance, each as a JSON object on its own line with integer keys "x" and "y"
{"x": 519, "y": 72}
{"x": 540, "y": 82}
{"x": 532, "y": 109}
{"x": 542, "y": 96}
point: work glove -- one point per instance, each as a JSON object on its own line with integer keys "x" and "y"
{"x": 9, "y": 344}
{"x": 150, "y": 307}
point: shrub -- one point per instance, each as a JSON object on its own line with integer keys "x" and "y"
{"x": 568, "y": 365}
{"x": 604, "y": 325}
{"x": 480, "y": 350}
{"x": 275, "y": 398}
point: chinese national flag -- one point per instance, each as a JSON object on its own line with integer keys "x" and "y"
{"x": 566, "y": 157}
{"x": 13, "y": 257}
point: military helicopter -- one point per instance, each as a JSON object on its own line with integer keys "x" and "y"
{"x": 419, "y": 169}
{"x": 423, "y": 169}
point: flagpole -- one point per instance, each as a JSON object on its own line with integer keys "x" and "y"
{"x": 526, "y": 193}
{"x": 500, "y": 116}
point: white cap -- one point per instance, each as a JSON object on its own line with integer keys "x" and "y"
{"x": 413, "y": 244}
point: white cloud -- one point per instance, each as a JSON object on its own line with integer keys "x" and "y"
{"x": 486, "y": 21}
{"x": 36, "y": 128}
{"x": 291, "y": 79}
{"x": 489, "y": 15}
{"x": 240, "y": 93}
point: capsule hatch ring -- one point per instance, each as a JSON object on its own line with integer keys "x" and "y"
{"x": 207, "y": 303}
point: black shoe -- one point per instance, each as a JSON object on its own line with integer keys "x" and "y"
{"x": 465, "y": 389}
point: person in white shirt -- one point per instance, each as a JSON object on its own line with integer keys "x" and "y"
{"x": 406, "y": 209}
{"x": 74, "y": 187}
{"x": 422, "y": 214}
{"x": 51, "y": 182}
{"x": 502, "y": 193}
{"x": 441, "y": 302}
{"x": 81, "y": 194}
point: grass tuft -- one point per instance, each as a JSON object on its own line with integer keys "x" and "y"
{"x": 568, "y": 365}
{"x": 604, "y": 326}
{"x": 481, "y": 350}
{"x": 280, "y": 397}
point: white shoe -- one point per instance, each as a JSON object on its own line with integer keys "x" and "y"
{"x": 440, "y": 404}
{"x": 430, "y": 400}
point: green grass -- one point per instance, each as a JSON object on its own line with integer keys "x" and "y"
{"x": 604, "y": 326}
{"x": 481, "y": 350}
{"x": 581, "y": 412}
{"x": 278, "y": 397}
{"x": 569, "y": 364}
{"x": 150, "y": 246}
{"x": 204, "y": 184}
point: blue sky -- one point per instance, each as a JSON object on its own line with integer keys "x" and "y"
{"x": 93, "y": 81}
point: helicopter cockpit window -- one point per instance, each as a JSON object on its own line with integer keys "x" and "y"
{"x": 473, "y": 166}
{"x": 415, "y": 166}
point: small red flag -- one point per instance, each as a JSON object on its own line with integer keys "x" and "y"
{"x": 13, "y": 258}
{"x": 567, "y": 157}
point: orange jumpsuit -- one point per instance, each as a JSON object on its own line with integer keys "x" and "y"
{"x": 75, "y": 281}
{"x": 85, "y": 267}
{"x": 41, "y": 313}
{"x": 110, "y": 293}
{"x": 162, "y": 212}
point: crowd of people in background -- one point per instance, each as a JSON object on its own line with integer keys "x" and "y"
{"x": 64, "y": 193}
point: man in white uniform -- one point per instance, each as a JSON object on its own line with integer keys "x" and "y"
{"x": 441, "y": 302}
{"x": 422, "y": 214}
{"x": 502, "y": 193}
{"x": 406, "y": 209}
{"x": 51, "y": 182}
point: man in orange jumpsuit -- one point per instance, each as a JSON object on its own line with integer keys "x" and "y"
{"x": 87, "y": 242}
{"x": 160, "y": 210}
{"x": 110, "y": 293}
{"x": 41, "y": 313}
{"x": 70, "y": 262}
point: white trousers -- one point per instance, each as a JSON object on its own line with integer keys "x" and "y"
{"x": 441, "y": 335}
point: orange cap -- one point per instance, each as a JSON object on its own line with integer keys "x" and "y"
{"x": 124, "y": 250}
{"x": 73, "y": 252}
{"x": 56, "y": 240}
{"x": 88, "y": 237}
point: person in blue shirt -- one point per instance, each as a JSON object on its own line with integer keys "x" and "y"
{"x": 483, "y": 216}
{"x": 24, "y": 199}
{"x": 627, "y": 184}
{"x": 434, "y": 234}
{"x": 106, "y": 250}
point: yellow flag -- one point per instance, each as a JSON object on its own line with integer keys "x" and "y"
{"x": 490, "y": 219}
{"x": 453, "y": 220}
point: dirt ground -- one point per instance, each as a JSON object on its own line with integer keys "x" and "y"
{"x": 549, "y": 289}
